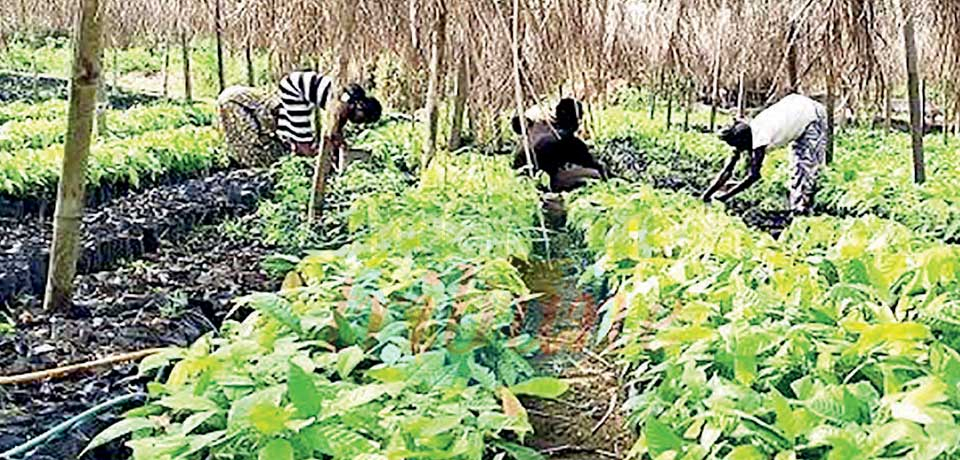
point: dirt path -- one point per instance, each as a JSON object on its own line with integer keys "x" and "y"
{"x": 588, "y": 422}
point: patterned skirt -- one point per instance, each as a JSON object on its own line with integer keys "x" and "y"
{"x": 809, "y": 152}
{"x": 248, "y": 119}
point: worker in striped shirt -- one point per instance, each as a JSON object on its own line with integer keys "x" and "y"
{"x": 261, "y": 126}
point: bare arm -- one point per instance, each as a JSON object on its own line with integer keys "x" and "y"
{"x": 723, "y": 177}
{"x": 756, "y": 162}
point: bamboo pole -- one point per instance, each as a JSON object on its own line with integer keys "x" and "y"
{"x": 65, "y": 246}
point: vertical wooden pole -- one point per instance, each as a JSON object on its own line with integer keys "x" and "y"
{"x": 166, "y": 65}
{"x": 65, "y": 246}
{"x": 887, "y": 110}
{"x": 332, "y": 125}
{"x": 688, "y": 105}
{"x": 187, "y": 82}
{"x": 792, "y": 83}
{"x": 435, "y": 82}
{"x": 923, "y": 103}
{"x": 831, "y": 87}
{"x": 248, "y": 56}
{"x": 670, "y": 91}
{"x": 460, "y": 99}
{"x": 218, "y": 25}
{"x": 741, "y": 99}
{"x": 913, "y": 87}
{"x": 715, "y": 95}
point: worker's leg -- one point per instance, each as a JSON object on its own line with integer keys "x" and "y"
{"x": 808, "y": 157}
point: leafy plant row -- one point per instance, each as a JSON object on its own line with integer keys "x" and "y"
{"x": 33, "y": 133}
{"x": 33, "y": 173}
{"x": 838, "y": 341}
{"x": 21, "y": 110}
{"x": 394, "y": 346}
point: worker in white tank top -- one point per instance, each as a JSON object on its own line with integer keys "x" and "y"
{"x": 795, "y": 118}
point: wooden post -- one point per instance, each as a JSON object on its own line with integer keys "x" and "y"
{"x": 332, "y": 125}
{"x": 670, "y": 91}
{"x": 218, "y": 25}
{"x": 793, "y": 85}
{"x": 65, "y": 246}
{"x": 923, "y": 103}
{"x": 831, "y": 88}
{"x": 655, "y": 94}
{"x": 187, "y": 83}
{"x": 518, "y": 84}
{"x": 435, "y": 82}
{"x": 166, "y": 65}
{"x": 715, "y": 95}
{"x": 689, "y": 105}
{"x": 741, "y": 99}
{"x": 913, "y": 87}
{"x": 248, "y": 56}
{"x": 887, "y": 110}
{"x": 460, "y": 99}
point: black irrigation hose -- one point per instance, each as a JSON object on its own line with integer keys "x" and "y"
{"x": 58, "y": 430}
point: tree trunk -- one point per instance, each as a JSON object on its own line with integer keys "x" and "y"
{"x": 331, "y": 125}
{"x": 460, "y": 99}
{"x": 248, "y": 55}
{"x": 435, "y": 82}
{"x": 688, "y": 103}
{"x": 715, "y": 95}
{"x": 913, "y": 87}
{"x": 218, "y": 25}
{"x": 923, "y": 104}
{"x": 187, "y": 83}
{"x": 65, "y": 246}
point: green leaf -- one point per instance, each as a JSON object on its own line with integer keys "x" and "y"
{"x": 302, "y": 391}
{"x": 745, "y": 453}
{"x": 660, "y": 438}
{"x": 518, "y": 452}
{"x": 184, "y": 400}
{"x": 344, "y": 329}
{"x": 277, "y": 449}
{"x": 543, "y": 387}
{"x": 347, "y": 360}
{"x": 117, "y": 430}
{"x": 195, "y": 420}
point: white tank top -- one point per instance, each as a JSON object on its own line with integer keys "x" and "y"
{"x": 785, "y": 121}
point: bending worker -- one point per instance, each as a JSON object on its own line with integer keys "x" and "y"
{"x": 794, "y": 119}
{"x": 261, "y": 126}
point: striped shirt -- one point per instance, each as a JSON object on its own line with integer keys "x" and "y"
{"x": 300, "y": 94}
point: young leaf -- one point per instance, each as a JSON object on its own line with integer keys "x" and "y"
{"x": 277, "y": 449}
{"x": 117, "y": 430}
{"x": 543, "y": 387}
{"x": 660, "y": 438}
{"x": 302, "y": 391}
{"x": 347, "y": 360}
